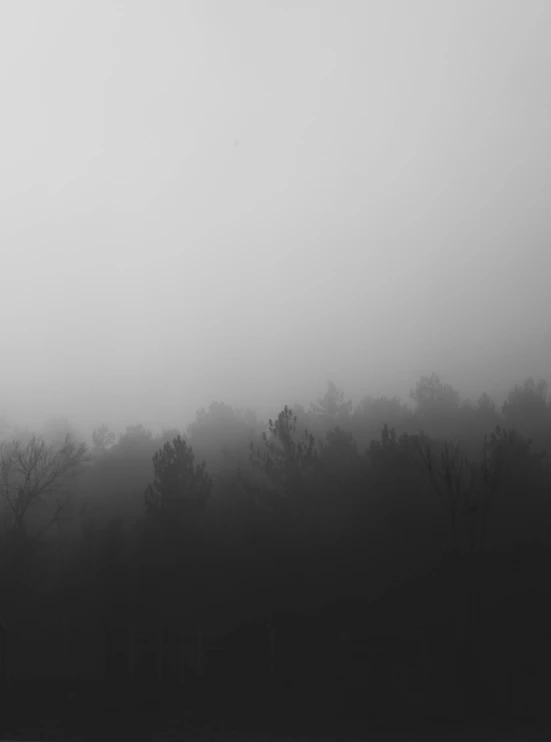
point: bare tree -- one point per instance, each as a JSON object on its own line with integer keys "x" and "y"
{"x": 447, "y": 480}
{"x": 103, "y": 439}
{"x": 36, "y": 473}
{"x": 466, "y": 488}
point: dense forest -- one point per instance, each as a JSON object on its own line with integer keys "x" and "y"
{"x": 337, "y": 563}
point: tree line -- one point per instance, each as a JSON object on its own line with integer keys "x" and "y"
{"x": 414, "y": 513}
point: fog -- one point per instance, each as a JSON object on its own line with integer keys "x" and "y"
{"x": 240, "y": 201}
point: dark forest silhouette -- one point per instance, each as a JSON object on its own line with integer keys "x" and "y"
{"x": 337, "y": 563}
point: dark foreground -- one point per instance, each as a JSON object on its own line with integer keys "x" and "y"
{"x": 47, "y": 711}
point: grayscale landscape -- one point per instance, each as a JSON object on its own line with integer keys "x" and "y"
{"x": 275, "y": 336}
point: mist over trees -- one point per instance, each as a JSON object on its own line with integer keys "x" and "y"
{"x": 376, "y": 522}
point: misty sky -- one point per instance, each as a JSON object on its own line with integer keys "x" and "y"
{"x": 239, "y": 200}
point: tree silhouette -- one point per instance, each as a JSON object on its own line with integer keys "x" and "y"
{"x": 430, "y": 391}
{"x": 180, "y": 489}
{"x": 390, "y": 451}
{"x": 222, "y": 436}
{"x": 526, "y": 402}
{"x": 32, "y": 474}
{"x": 288, "y": 463}
{"x": 136, "y": 439}
{"x": 339, "y": 458}
{"x": 103, "y": 439}
{"x": 332, "y": 405}
{"x": 437, "y": 405}
{"x": 528, "y": 411}
{"x": 467, "y": 489}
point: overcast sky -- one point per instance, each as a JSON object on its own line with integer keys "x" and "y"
{"x": 239, "y": 200}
